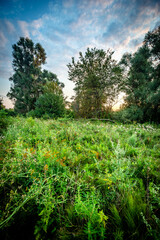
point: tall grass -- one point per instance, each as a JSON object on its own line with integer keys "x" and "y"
{"x": 79, "y": 180}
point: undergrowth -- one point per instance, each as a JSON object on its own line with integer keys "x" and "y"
{"x": 64, "y": 179}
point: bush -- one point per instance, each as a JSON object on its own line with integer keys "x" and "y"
{"x": 130, "y": 114}
{"x": 3, "y": 121}
{"x": 10, "y": 112}
{"x": 69, "y": 114}
{"x": 48, "y": 105}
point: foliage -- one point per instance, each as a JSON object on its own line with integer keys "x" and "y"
{"x": 63, "y": 179}
{"x": 49, "y": 105}
{"x": 29, "y": 81}
{"x": 27, "y": 60}
{"x": 142, "y": 74}
{"x": 69, "y": 114}
{"x": 152, "y": 39}
{"x": 3, "y": 121}
{"x": 139, "y": 78}
{"x": 10, "y": 112}
{"x": 1, "y": 104}
{"x": 53, "y": 85}
{"x": 97, "y": 79}
{"x": 129, "y": 114}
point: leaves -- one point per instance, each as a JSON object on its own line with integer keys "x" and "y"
{"x": 97, "y": 78}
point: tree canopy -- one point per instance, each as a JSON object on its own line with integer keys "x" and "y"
{"x": 1, "y": 103}
{"x": 142, "y": 77}
{"x": 97, "y": 78}
{"x": 26, "y": 80}
{"x": 29, "y": 82}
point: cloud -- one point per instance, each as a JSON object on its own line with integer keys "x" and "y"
{"x": 28, "y": 28}
{"x": 37, "y": 24}
{"x": 135, "y": 43}
{"x": 24, "y": 28}
{"x": 157, "y": 24}
{"x": 68, "y": 3}
{"x": 129, "y": 23}
{"x": 94, "y": 4}
{"x": 10, "y": 26}
{"x": 3, "y": 40}
{"x": 70, "y": 26}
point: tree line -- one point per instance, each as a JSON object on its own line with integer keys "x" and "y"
{"x": 98, "y": 78}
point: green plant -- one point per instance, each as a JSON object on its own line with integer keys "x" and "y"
{"x": 79, "y": 179}
{"x": 4, "y": 120}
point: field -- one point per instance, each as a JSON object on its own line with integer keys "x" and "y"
{"x": 63, "y": 179}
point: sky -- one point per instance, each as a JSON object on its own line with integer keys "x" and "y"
{"x": 66, "y": 27}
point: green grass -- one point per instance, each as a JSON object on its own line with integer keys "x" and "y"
{"x": 79, "y": 180}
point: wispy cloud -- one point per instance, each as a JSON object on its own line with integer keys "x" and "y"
{"x": 3, "y": 40}
{"x": 10, "y": 26}
{"x": 132, "y": 21}
{"x": 24, "y": 28}
{"x": 37, "y": 24}
{"x": 69, "y": 26}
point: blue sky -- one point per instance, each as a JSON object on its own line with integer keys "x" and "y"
{"x": 65, "y": 27}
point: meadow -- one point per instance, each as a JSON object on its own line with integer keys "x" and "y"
{"x": 68, "y": 179}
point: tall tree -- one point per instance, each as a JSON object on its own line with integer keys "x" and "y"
{"x": 1, "y": 103}
{"x": 27, "y": 78}
{"x": 52, "y": 83}
{"x": 97, "y": 78}
{"x": 142, "y": 77}
{"x": 51, "y": 103}
{"x": 139, "y": 77}
{"x": 152, "y": 40}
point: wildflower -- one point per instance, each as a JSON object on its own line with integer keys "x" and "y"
{"x": 47, "y": 154}
{"x": 25, "y": 155}
{"x": 97, "y": 155}
{"x": 32, "y": 171}
{"x": 62, "y": 163}
{"x": 46, "y": 167}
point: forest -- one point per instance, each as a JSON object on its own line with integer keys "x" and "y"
{"x": 78, "y": 169}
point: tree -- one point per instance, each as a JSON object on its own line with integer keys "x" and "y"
{"x": 97, "y": 78}
{"x": 52, "y": 84}
{"x": 27, "y": 78}
{"x": 138, "y": 80}
{"x": 1, "y": 104}
{"x": 142, "y": 78}
{"x": 137, "y": 84}
{"x": 152, "y": 40}
{"x": 50, "y": 105}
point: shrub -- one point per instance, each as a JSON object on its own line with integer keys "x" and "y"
{"x": 49, "y": 105}
{"x": 130, "y": 114}
{"x": 3, "y": 120}
{"x": 69, "y": 114}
